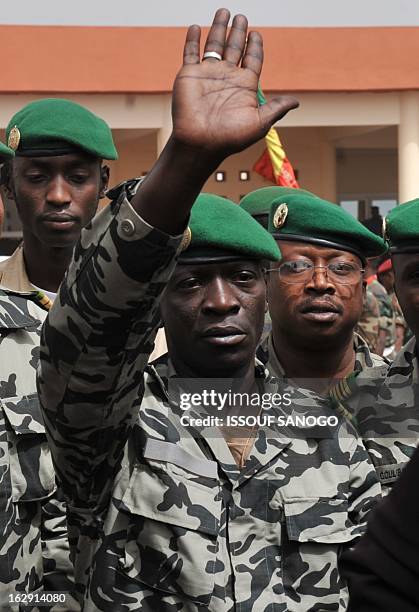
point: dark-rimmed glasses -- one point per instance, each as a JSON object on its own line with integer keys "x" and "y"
{"x": 300, "y": 271}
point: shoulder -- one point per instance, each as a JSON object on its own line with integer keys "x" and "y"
{"x": 20, "y": 310}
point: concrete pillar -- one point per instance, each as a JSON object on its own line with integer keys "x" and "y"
{"x": 328, "y": 170}
{"x": 165, "y": 130}
{"x": 409, "y": 146}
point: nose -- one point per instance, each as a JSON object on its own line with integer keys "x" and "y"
{"x": 58, "y": 193}
{"x": 320, "y": 282}
{"x": 220, "y": 298}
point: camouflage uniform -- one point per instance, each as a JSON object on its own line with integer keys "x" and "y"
{"x": 369, "y": 323}
{"x": 161, "y": 519}
{"x": 387, "y": 320}
{"x": 34, "y": 551}
{"x": 364, "y": 358}
{"x": 385, "y": 403}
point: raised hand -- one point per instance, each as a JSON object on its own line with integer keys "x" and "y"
{"x": 214, "y": 101}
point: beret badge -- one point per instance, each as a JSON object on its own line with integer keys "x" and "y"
{"x": 14, "y": 138}
{"x": 186, "y": 240}
{"x": 280, "y": 216}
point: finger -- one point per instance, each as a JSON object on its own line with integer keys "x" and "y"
{"x": 236, "y": 41}
{"x": 217, "y": 34}
{"x": 253, "y": 55}
{"x": 191, "y": 48}
{"x": 275, "y": 109}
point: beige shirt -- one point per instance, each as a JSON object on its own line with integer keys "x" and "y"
{"x": 13, "y": 272}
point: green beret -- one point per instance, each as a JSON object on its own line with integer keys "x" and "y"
{"x": 220, "y": 229}
{"x": 54, "y": 126}
{"x": 401, "y": 228}
{"x": 258, "y": 203}
{"x": 302, "y": 216}
{"x": 5, "y": 153}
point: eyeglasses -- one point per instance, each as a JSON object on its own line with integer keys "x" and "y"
{"x": 301, "y": 271}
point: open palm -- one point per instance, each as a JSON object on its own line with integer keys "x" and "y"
{"x": 215, "y": 101}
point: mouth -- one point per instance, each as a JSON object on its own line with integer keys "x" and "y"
{"x": 59, "y": 221}
{"x": 224, "y": 335}
{"x": 321, "y": 312}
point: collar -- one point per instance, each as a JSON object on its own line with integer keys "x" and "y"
{"x": 264, "y": 450}
{"x": 13, "y": 272}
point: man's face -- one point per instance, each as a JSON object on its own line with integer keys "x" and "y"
{"x": 319, "y": 309}
{"x": 57, "y": 196}
{"x": 214, "y": 314}
{"x": 406, "y": 273}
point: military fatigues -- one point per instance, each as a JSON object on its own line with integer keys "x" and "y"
{"x": 364, "y": 358}
{"x": 158, "y": 519}
{"x": 369, "y": 324}
{"x": 387, "y": 318}
{"x": 34, "y": 552}
{"x": 385, "y": 403}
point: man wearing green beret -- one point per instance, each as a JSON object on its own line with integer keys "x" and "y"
{"x": 33, "y": 540}
{"x": 383, "y": 569}
{"x": 315, "y": 296}
{"x": 316, "y": 291}
{"x": 165, "y": 512}
{"x": 55, "y": 180}
{"x": 394, "y": 414}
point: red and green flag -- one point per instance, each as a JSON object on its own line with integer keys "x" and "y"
{"x": 274, "y": 165}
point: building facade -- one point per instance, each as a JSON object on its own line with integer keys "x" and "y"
{"x": 354, "y": 139}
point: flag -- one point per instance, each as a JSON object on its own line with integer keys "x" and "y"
{"x": 274, "y": 164}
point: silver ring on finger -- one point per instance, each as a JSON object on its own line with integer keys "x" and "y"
{"x": 213, "y": 55}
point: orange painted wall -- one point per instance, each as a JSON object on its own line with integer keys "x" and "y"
{"x": 145, "y": 60}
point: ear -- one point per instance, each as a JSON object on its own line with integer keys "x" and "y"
{"x": 104, "y": 181}
{"x": 7, "y": 184}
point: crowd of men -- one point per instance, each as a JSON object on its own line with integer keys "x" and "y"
{"x": 112, "y": 493}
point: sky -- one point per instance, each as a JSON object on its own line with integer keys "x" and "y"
{"x": 286, "y": 13}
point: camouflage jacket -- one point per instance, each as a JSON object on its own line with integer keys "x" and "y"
{"x": 161, "y": 519}
{"x": 369, "y": 324}
{"x": 385, "y": 402}
{"x": 34, "y": 549}
{"x": 387, "y": 320}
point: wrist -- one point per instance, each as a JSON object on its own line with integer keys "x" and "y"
{"x": 197, "y": 160}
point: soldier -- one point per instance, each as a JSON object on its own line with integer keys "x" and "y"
{"x": 391, "y": 416}
{"x": 316, "y": 292}
{"x": 386, "y": 320}
{"x": 383, "y": 569}
{"x": 34, "y": 547}
{"x": 369, "y": 323}
{"x": 56, "y": 180}
{"x": 385, "y": 276}
{"x": 164, "y": 515}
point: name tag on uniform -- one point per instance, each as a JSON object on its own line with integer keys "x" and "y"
{"x": 389, "y": 473}
{"x": 172, "y": 453}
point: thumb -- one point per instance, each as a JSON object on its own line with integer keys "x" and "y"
{"x": 275, "y": 109}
